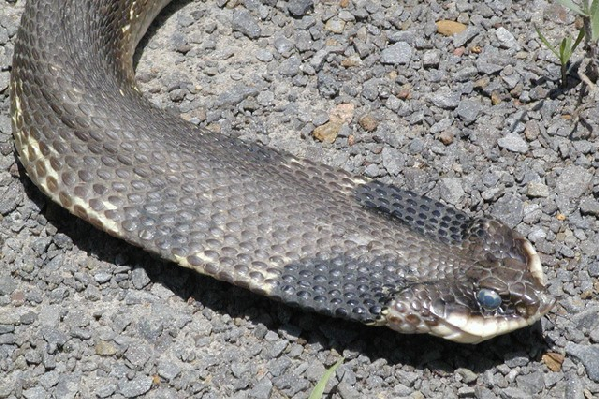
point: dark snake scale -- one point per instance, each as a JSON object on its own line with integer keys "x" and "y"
{"x": 297, "y": 231}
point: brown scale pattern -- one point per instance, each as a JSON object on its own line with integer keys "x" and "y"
{"x": 298, "y": 231}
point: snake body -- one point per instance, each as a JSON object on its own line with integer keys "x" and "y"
{"x": 294, "y": 230}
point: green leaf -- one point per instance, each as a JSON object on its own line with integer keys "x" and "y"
{"x": 319, "y": 388}
{"x": 564, "y": 50}
{"x": 578, "y": 39}
{"x": 546, "y": 43}
{"x": 595, "y": 20}
{"x": 569, "y": 4}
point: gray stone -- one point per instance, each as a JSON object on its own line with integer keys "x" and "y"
{"x": 588, "y": 356}
{"x": 506, "y": 39}
{"x": 509, "y": 209}
{"x": 106, "y": 390}
{"x": 291, "y": 384}
{"x": 277, "y": 348}
{"x": 263, "y": 55}
{"x": 265, "y": 98}
{"x": 482, "y": 392}
{"x": 235, "y": 95}
{"x": 463, "y": 37}
{"x": 304, "y": 42}
{"x": 393, "y": 160}
{"x": 4, "y": 329}
{"x": 370, "y": 89}
{"x": 168, "y": 370}
{"x": 511, "y": 80}
{"x": 451, "y": 190}
{"x": 4, "y": 80}
{"x": 373, "y": 170}
{"x": 328, "y": 85}
{"x": 138, "y": 355}
{"x": 262, "y": 390}
{"x": 6, "y": 387}
{"x": 76, "y": 318}
{"x": 335, "y": 25}
{"x": 398, "y": 53}
{"x": 136, "y": 387}
{"x": 441, "y": 126}
{"x": 513, "y": 393}
{"x": 536, "y": 234}
{"x": 430, "y": 58}
{"x": 290, "y": 66}
{"x": 151, "y": 328}
{"x": 402, "y": 390}
{"x": 347, "y": 16}
{"x": 279, "y": 365}
{"x": 102, "y": 277}
{"x": 536, "y": 189}
{"x": 315, "y": 371}
{"x": 7, "y": 285}
{"x": 574, "y": 181}
{"x": 468, "y": 376}
{"x": 50, "y": 379}
{"x": 35, "y": 393}
{"x": 469, "y": 110}
{"x": 401, "y": 36}
{"x": 5, "y": 125}
{"x": 532, "y": 383}
{"x": 466, "y": 392}
{"x": 317, "y": 60}
{"x": 587, "y": 320}
{"x": 346, "y": 391}
{"x": 245, "y": 23}
{"x": 8, "y": 339}
{"x": 513, "y": 142}
{"x": 488, "y": 66}
{"x": 10, "y": 197}
{"x": 574, "y": 387}
{"x": 139, "y": 277}
{"x": 465, "y": 74}
{"x": 68, "y": 385}
{"x": 284, "y": 46}
{"x": 445, "y": 98}
{"x": 49, "y": 315}
{"x": 589, "y": 206}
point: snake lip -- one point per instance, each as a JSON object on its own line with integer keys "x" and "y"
{"x": 533, "y": 261}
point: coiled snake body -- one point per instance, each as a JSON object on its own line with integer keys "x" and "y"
{"x": 303, "y": 233}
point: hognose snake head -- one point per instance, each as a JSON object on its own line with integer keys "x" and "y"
{"x": 494, "y": 296}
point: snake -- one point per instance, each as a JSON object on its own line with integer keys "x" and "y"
{"x": 295, "y": 230}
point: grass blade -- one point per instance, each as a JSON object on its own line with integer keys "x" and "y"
{"x": 319, "y": 388}
{"x": 564, "y": 50}
{"x": 569, "y": 4}
{"x": 594, "y": 20}
{"x": 546, "y": 43}
{"x": 578, "y": 40}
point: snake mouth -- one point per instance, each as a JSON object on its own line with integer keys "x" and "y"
{"x": 533, "y": 304}
{"x": 454, "y": 310}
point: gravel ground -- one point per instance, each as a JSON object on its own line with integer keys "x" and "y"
{"x": 476, "y": 119}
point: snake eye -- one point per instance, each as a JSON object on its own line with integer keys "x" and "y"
{"x": 488, "y": 299}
